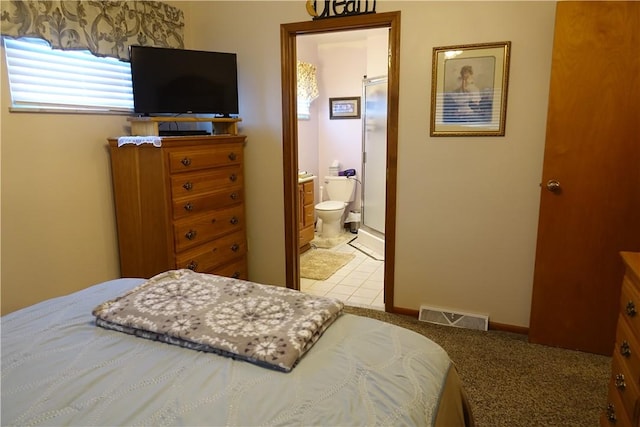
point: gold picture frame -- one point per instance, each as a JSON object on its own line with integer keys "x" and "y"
{"x": 469, "y": 87}
{"x": 344, "y": 108}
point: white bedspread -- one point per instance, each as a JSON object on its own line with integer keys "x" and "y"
{"x": 58, "y": 368}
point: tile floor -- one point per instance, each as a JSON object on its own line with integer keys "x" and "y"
{"x": 359, "y": 283}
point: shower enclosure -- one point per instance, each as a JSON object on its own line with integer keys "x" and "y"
{"x": 374, "y": 163}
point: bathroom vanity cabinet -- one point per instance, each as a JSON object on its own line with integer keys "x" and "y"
{"x": 180, "y": 205}
{"x": 306, "y": 212}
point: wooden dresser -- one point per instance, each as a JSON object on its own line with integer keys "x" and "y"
{"x": 623, "y": 401}
{"x": 307, "y": 212}
{"x": 180, "y": 205}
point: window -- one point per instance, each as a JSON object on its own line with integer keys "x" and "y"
{"x": 45, "y": 79}
{"x": 304, "y": 109}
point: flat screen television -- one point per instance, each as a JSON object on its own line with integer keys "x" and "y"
{"x": 179, "y": 81}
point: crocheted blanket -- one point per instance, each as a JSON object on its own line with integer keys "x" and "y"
{"x": 269, "y": 326}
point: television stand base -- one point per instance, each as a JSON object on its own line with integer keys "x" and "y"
{"x": 148, "y": 126}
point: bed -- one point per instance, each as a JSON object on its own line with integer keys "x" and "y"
{"x": 60, "y": 368}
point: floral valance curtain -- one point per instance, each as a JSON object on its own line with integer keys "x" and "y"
{"x": 307, "y": 82}
{"x": 106, "y": 28}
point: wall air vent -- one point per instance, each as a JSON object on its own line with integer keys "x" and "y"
{"x": 457, "y": 319}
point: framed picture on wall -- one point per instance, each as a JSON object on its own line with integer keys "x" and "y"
{"x": 344, "y": 108}
{"x": 469, "y": 89}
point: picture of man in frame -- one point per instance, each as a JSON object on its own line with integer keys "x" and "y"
{"x": 469, "y": 90}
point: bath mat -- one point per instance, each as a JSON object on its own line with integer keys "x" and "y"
{"x": 331, "y": 242}
{"x": 318, "y": 264}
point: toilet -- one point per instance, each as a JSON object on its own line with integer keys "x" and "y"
{"x": 341, "y": 191}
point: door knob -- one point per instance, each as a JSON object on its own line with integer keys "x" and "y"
{"x": 553, "y": 185}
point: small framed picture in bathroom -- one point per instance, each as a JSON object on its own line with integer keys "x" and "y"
{"x": 344, "y": 108}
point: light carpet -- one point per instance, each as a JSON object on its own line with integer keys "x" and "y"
{"x": 319, "y": 264}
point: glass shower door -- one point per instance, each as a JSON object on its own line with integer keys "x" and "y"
{"x": 374, "y": 153}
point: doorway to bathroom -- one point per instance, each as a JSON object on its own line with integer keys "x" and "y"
{"x": 289, "y": 33}
{"x": 335, "y": 66}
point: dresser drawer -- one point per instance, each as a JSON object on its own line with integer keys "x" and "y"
{"x": 622, "y": 383}
{"x": 306, "y": 235}
{"x": 190, "y": 206}
{"x": 307, "y": 189}
{"x": 212, "y": 254}
{"x": 630, "y": 303}
{"x": 309, "y": 215}
{"x": 195, "y": 231}
{"x": 195, "y": 183}
{"x": 614, "y": 414}
{"x": 205, "y": 158}
{"x": 628, "y": 349}
{"x": 237, "y": 270}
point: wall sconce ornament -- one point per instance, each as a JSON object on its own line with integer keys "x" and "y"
{"x": 338, "y": 8}
{"x": 307, "y": 84}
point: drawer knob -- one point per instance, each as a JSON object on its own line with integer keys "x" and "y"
{"x": 192, "y": 265}
{"x": 619, "y": 382}
{"x": 186, "y": 161}
{"x": 234, "y": 195}
{"x": 187, "y": 186}
{"x": 611, "y": 413}
{"x": 188, "y": 207}
{"x": 191, "y": 234}
{"x": 234, "y": 220}
{"x": 232, "y": 156}
{"x": 233, "y": 177}
{"x": 235, "y": 247}
{"x": 625, "y": 349}
{"x": 631, "y": 309}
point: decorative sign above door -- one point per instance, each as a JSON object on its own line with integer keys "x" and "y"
{"x": 320, "y": 9}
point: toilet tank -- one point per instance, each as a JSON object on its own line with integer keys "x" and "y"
{"x": 340, "y": 188}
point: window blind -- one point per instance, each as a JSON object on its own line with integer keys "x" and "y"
{"x": 41, "y": 78}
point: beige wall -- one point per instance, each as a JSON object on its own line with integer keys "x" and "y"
{"x": 466, "y": 234}
{"x": 58, "y": 232}
{"x": 467, "y": 207}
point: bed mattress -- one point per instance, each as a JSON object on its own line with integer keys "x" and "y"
{"x": 59, "y": 368}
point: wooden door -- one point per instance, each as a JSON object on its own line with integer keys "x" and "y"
{"x": 590, "y": 191}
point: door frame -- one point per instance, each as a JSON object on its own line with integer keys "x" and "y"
{"x": 288, "y": 34}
